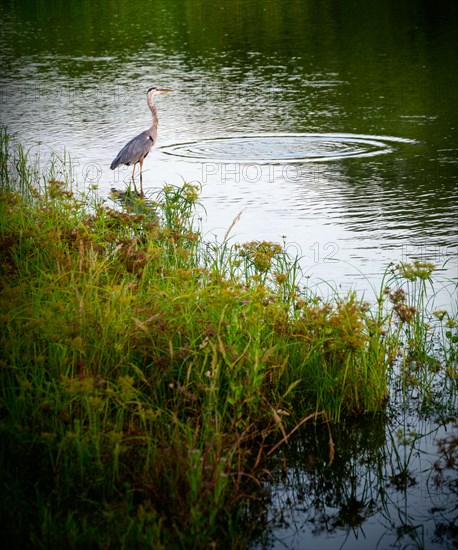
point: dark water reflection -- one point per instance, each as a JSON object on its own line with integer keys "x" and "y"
{"x": 384, "y": 486}
{"x": 74, "y": 76}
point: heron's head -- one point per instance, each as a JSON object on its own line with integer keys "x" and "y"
{"x": 156, "y": 91}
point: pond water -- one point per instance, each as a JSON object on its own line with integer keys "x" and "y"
{"x": 336, "y": 128}
{"x": 332, "y": 126}
{"x": 385, "y": 485}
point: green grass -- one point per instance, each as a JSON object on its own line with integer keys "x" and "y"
{"x": 146, "y": 375}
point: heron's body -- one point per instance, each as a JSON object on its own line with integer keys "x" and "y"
{"x": 134, "y": 151}
{"x": 137, "y": 149}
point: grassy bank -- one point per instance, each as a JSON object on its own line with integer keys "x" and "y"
{"x": 147, "y": 375}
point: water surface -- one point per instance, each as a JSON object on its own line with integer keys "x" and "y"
{"x": 306, "y": 75}
{"x": 332, "y": 126}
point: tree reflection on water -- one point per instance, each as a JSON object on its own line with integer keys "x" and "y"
{"x": 392, "y": 483}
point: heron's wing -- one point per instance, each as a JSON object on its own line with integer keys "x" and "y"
{"x": 133, "y": 151}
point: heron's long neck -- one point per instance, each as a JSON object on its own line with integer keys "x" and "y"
{"x": 153, "y": 129}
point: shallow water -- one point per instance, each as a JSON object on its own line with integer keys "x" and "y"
{"x": 334, "y": 128}
{"x": 331, "y": 127}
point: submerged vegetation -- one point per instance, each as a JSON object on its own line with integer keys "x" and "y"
{"x": 147, "y": 375}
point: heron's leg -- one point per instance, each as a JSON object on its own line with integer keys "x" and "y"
{"x": 141, "y": 177}
{"x": 133, "y": 178}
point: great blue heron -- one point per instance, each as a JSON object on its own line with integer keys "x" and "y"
{"x": 136, "y": 150}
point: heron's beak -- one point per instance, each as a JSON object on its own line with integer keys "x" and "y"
{"x": 165, "y": 90}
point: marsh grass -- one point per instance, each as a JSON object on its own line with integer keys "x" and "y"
{"x": 146, "y": 375}
{"x": 426, "y": 338}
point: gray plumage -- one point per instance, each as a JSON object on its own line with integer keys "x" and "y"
{"x": 138, "y": 148}
{"x": 133, "y": 151}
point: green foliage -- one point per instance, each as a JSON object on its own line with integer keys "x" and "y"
{"x": 146, "y": 375}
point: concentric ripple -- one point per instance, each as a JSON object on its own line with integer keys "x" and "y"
{"x": 281, "y": 148}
